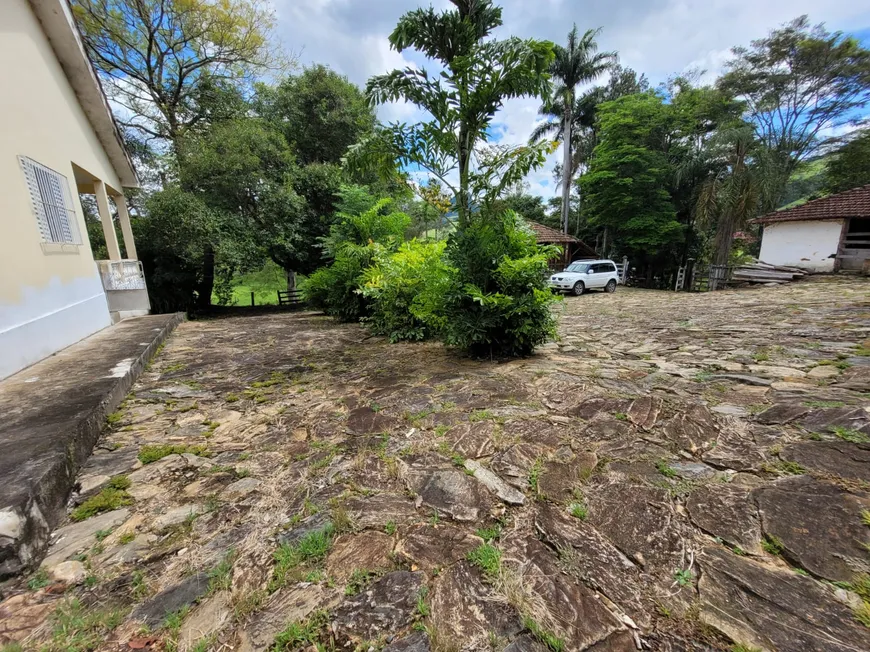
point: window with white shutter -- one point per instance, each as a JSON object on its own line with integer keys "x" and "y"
{"x": 52, "y": 203}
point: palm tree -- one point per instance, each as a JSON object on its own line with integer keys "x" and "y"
{"x": 577, "y": 63}
{"x": 478, "y": 75}
{"x": 583, "y": 136}
{"x": 733, "y": 189}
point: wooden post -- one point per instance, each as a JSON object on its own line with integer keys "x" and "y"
{"x": 252, "y": 299}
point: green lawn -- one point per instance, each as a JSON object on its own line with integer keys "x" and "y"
{"x": 264, "y": 283}
{"x": 262, "y": 297}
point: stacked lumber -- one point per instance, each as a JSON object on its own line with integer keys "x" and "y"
{"x": 761, "y": 272}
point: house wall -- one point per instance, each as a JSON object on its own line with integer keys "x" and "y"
{"x": 50, "y": 296}
{"x": 809, "y": 245}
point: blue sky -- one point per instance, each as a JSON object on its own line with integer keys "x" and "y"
{"x": 657, "y": 37}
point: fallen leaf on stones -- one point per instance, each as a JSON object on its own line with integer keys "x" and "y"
{"x": 142, "y": 643}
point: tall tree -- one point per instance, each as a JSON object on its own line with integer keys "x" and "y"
{"x": 578, "y": 62}
{"x": 798, "y": 83}
{"x": 166, "y": 60}
{"x": 243, "y": 170}
{"x": 849, "y": 167}
{"x": 320, "y": 114}
{"x": 704, "y": 126}
{"x": 730, "y": 194}
{"x": 478, "y": 76}
{"x": 626, "y": 187}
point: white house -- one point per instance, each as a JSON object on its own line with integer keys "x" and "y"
{"x": 824, "y": 235}
{"x": 57, "y": 139}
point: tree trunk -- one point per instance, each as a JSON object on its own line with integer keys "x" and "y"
{"x": 604, "y": 244}
{"x": 723, "y": 239}
{"x": 291, "y": 279}
{"x": 566, "y": 165}
{"x": 462, "y": 208}
{"x": 206, "y": 285}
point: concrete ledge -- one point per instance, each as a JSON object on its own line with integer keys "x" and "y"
{"x": 53, "y": 413}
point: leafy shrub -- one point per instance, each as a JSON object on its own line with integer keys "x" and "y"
{"x": 333, "y": 289}
{"x": 495, "y": 301}
{"x": 354, "y": 241}
{"x": 397, "y": 285}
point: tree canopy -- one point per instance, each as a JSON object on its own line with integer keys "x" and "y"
{"x": 849, "y": 166}
{"x": 168, "y": 62}
{"x": 319, "y": 111}
{"x": 626, "y": 188}
{"x": 798, "y": 83}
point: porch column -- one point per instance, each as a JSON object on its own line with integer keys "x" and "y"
{"x": 126, "y": 229}
{"x": 106, "y": 220}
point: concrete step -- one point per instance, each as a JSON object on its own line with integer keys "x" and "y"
{"x": 52, "y": 414}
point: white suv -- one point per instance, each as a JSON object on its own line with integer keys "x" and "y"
{"x": 585, "y": 275}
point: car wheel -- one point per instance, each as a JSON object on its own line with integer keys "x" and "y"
{"x": 610, "y": 287}
{"x": 578, "y": 288}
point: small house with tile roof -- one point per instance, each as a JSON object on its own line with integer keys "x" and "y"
{"x": 572, "y": 248}
{"x": 823, "y": 235}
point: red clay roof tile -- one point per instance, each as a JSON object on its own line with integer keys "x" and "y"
{"x": 850, "y": 203}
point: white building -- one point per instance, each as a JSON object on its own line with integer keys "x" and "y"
{"x": 57, "y": 139}
{"x": 823, "y": 235}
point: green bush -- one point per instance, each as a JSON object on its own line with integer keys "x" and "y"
{"x": 485, "y": 292}
{"x": 333, "y": 289}
{"x": 354, "y": 242}
{"x": 496, "y": 301}
{"x": 399, "y": 285}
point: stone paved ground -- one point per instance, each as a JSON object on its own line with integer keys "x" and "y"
{"x": 679, "y": 472}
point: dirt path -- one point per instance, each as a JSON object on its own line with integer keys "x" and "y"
{"x": 678, "y": 472}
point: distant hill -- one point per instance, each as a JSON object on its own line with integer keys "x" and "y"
{"x": 806, "y": 182}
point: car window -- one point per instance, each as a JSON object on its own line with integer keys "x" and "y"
{"x": 611, "y": 267}
{"x": 577, "y": 267}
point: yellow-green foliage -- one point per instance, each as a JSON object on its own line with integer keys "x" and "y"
{"x": 398, "y": 285}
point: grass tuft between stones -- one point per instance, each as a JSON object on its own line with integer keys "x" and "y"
{"x": 75, "y": 629}
{"x": 487, "y": 558}
{"x": 38, "y": 580}
{"x": 578, "y": 510}
{"x": 288, "y": 557}
{"x": 550, "y": 640}
{"x": 301, "y": 632}
{"x": 666, "y": 469}
{"x": 220, "y": 578}
{"x": 113, "y": 496}
{"x": 154, "y": 452}
{"x": 359, "y": 579}
{"x": 489, "y": 534}
{"x": 850, "y": 434}
{"x": 772, "y": 545}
